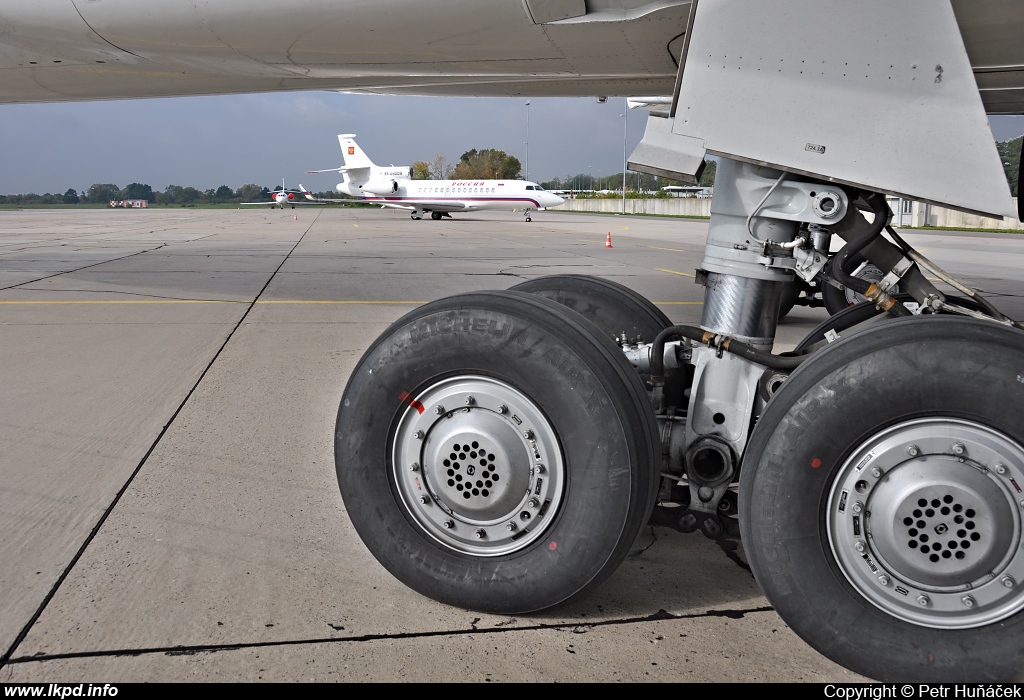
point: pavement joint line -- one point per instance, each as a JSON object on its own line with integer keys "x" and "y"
{"x": 85, "y": 267}
{"x": 188, "y": 650}
{"x": 5, "y": 658}
{"x": 674, "y": 250}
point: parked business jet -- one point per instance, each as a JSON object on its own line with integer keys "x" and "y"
{"x": 285, "y": 198}
{"x": 394, "y": 187}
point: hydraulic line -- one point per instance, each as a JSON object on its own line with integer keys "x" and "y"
{"x": 946, "y": 277}
{"x": 718, "y": 341}
{"x": 844, "y": 261}
{"x": 761, "y": 204}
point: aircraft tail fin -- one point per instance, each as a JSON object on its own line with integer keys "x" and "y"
{"x": 352, "y": 153}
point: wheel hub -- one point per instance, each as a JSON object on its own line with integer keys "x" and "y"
{"x": 478, "y": 466}
{"x": 924, "y": 520}
{"x": 470, "y": 456}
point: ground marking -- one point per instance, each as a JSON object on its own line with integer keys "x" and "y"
{"x": 98, "y": 302}
{"x": 674, "y": 272}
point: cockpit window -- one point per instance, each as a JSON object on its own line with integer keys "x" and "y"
{"x": 530, "y": 187}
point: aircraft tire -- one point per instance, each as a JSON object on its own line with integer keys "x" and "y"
{"x": 501, "y": 375}
{"x": 612, "y": 307}
{"x": 436, "y": 216}
{"x": 878, "y": 506}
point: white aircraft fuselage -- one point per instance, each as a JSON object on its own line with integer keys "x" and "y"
{"x": 392, "y": 186}
{"x": 469, "y": 195}
{"x": 285, "y": 197}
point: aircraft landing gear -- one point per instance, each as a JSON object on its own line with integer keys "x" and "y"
{"x": 464, "y": 453}
{"x": 878, "y": 478}
{"x": 435, "y": 215}
{"x": 526, "y": 214}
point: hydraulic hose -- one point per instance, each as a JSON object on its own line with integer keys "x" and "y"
{"x": 842, "y": 265}
{"x": 948, "y": 278}
{"x": 704, "y": 337}
{"x": 846, "y": 259}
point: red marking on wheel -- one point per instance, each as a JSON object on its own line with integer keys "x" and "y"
{"x": 553, "y": 546}
{"x": 815, "y": 463}
{"x": 1014, "y": 482}
{"x": 404, "y": 396}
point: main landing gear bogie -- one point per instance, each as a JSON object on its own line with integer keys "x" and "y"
{"x": 499, "y": 451}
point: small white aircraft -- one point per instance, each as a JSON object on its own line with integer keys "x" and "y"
{"x": 394, "y": 187}
{"x": 285, "y": 197}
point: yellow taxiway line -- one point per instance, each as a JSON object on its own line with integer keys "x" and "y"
{"x": 674, "y": 272}
{"x": 99, "y": 302}
{"x": 143, "y": 302}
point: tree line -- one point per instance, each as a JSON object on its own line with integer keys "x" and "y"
{"x": 1009, "y": 153}
{"x": 104, "y": 193}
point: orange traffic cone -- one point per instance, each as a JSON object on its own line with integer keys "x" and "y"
{"x": 608, "y": 241}
{"x": 296, "y": 217}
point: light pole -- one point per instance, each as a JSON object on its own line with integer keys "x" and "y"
{"x": 527, "y": 139}
{"x": 625, "y": 111}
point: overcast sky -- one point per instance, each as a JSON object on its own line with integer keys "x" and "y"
{"x": 205, "y": 142}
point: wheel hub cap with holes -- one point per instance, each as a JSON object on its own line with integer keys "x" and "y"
{"x": 478, "y": 466}
{"x": 924, "y": 520}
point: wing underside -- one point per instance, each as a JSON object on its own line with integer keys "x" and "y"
{"x": 50, "y": 51}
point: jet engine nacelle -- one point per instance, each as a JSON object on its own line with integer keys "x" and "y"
{"x": 381, "y": 187}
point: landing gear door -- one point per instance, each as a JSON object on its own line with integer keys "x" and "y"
{"x": 875, "y": 94}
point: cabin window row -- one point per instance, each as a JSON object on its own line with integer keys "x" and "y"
{"x": 458, "y": 190}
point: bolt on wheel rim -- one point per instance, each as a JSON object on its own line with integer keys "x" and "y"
{"x": 478, "y": 466}
{"x": 924, "y": 520}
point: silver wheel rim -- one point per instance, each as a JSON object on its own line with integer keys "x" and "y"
{"x": 478, "y": 466}
{"x": 924, "y": 520}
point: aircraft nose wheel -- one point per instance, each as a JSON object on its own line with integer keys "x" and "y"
{"x": 881, "y": 502}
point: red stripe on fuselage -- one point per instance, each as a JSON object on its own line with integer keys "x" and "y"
{"x": 454, "y": 199}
